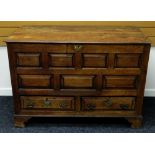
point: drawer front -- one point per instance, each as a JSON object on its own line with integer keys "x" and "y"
{"x": 107, "y": 103}
{"x": 35, "y": 81}
{"x": 53, "y": 103}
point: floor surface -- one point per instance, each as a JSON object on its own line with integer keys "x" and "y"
{"x": 75, "y": 125}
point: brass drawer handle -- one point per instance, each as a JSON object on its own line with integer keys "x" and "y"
{"x": 124, "y": 106}
{"x": 63, "y": 105}
{"x": 108, "y": 102}
{"x": 47, "y": 103}
{"x": 91, "y": 106}
{"x": 77, "y": 48}
{"x": 30, "y": 104}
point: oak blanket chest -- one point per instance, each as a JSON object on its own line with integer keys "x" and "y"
{"x": 78, "y": 71}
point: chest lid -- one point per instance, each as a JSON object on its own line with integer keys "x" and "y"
{"x": 78, "y": 34}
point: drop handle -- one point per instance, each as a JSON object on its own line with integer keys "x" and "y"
{"x": 91, "y": 106}
{"x": 108, "y": 102}
{"x": 63, "y": 105}
{"x": 124, "y": 106}
{"x": 47, "y": 103}
{"x": 30, "y": 104}
{"x": 77, "y": 48}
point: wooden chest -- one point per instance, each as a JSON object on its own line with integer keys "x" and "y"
{"x": 78, "y": 71}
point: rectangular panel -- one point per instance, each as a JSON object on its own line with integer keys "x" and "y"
{"x": 95, "y": 60}
{"x": 128, "y": 60}
{"x": 120, "y": 82}
{"x": 107, "y": 103}
{"x": 35, "y": 81}
{"x": 52, "y": 103}
{"x": 28, "y": 60}
{"x": 61, "y": 60}
{"x": 78, "y": 81}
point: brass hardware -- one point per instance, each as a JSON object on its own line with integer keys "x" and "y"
{"x": 91, "y": 106}
{"x": 108, "y": 102}
{"x": 30, "y": 104}
{"x": 124, "y": 106}
{"x": 47, "y": 103}
{"x": 77, "y": 48}
{"x": 63, "y": 105}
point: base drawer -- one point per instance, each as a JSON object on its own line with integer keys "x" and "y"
{"x": 43, "y": 102}
{"x": 107, "y": 103}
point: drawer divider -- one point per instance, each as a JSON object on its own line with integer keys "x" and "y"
{"x": 56, "y": 81}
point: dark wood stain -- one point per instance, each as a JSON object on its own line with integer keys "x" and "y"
{"x": 78, "y": 71}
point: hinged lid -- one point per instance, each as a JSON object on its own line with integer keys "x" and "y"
{"x": 78, "y": 34}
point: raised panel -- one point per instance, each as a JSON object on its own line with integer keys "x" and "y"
{"x": 28, "y": 60}
{"x": 120, "y": 82}
{"x": 94, "y": 60}
{"x": 52, "y": 103}
{"x": 78, "y": 81}
{"x": 35, "y": 81}
{"x": 107, "y": 103}
{"x": 61, "y": 60}
{"x": 128, "y": 60}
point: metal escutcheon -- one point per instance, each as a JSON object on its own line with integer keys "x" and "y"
{"x": 63, "y": 105}
{"x": 124, "y": 106}
{"x": 30, "y": 104}
{"x": 91, "y": 106}
{"x": 108, "y": 102}
{"x": 47, "y": 103}
{"x": 77, "y": 48}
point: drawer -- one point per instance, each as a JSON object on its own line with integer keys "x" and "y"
{"x": 52, "y": 103}
{"x": 107, "y": 103}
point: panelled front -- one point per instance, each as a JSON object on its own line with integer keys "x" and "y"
{"x": 81, "y": 68}
{"x": 78, "y": 66}
{"x": 78, "y": 72}
{"x": 89, "y": 56}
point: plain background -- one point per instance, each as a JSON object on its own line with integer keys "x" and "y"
{"x": 60, "y": 10}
